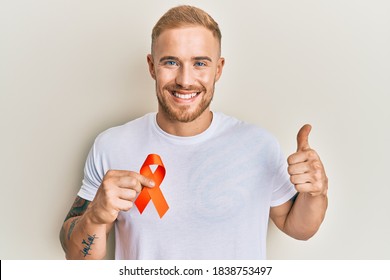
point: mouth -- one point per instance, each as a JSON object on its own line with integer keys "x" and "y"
{"x": 185, "y": 95}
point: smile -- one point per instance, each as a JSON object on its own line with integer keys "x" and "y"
{"x": 185, "y": 96}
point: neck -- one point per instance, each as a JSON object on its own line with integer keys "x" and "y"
{"x": 185, "y": 129}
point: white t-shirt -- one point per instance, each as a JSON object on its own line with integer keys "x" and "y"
{"x": 219, "y": 186}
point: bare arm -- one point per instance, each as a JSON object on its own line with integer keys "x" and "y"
{"x": 85, "y": 230}
{"x": 301, "y": 217}
{"x": 80, "y": 237}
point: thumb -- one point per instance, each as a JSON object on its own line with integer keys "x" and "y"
{"x": 303, "y": 138}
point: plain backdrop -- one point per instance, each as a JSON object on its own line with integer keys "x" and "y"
{"x": 71, "y": 69}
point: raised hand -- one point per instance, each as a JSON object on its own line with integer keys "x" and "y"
{"x": 306, "y": 170}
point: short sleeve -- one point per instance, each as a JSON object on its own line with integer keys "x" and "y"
{"x": 93, "y": 176}
{"x": 283, "y": 189}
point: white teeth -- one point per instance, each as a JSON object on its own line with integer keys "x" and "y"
{"x": 185, "y": 96}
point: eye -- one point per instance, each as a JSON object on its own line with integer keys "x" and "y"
{"x": 200, "y": 64}
{"x": 171, "y": 63}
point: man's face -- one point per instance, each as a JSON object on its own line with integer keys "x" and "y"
{"x": 185, "y": 64}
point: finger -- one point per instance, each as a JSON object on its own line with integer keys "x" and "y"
{"x": 303, "y": 156}
{"x": 301, "y": 178}
{"x": 303, "y": 138}
{"x": 298, "y": 168}
{"x": 129, "y": 182}
{"x": 304, "y": 188}
{"x": 297, "y": 158}
{"x": 127, "y": 194}
{"x": 144, "y": 181}
{"x": 124, "y": 205}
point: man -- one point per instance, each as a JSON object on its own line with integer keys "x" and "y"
{"x": 224, "y": 178}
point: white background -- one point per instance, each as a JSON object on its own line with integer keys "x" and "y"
{"x": 71, "y": 69}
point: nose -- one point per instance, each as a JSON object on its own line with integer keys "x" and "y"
{"x": 184, "y": 76}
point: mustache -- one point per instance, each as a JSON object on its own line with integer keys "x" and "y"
{"x": 175, "y": 87}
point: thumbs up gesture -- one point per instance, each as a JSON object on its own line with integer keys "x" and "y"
{"x": 306, "y": 170}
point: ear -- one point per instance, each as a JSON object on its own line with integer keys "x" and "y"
{"x": 220, "y": 64}
{"x": 151, "y": 66}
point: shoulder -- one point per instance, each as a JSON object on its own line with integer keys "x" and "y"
{"x": 245, "y": 130}
{"x": 124, "y": 132}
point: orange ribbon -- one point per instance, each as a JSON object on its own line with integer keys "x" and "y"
{"x": 154, "y": 193}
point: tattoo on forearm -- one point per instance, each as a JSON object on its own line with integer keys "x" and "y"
{"x": 62, "y": 237}
{"x": 87, "y": 244}
{"x": 71, "y": 227}
{"x": 78, "y": 208}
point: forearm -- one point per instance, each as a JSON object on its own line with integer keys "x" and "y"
{"x": 306, "y": 216}
{"x": 83, "y": 239}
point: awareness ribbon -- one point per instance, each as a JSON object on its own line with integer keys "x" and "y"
{"x": 154, "y": 193}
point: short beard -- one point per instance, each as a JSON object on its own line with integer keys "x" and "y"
{"x": 181, "y": 114}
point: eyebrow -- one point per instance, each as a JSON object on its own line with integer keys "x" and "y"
{"x": 193, "y": 58}
{"x": 202, "y": 58}
{"x": 168, "y": 58}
